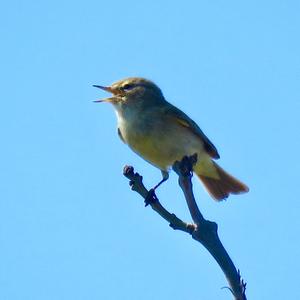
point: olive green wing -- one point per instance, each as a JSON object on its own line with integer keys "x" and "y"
{"x": 180, "y": 117}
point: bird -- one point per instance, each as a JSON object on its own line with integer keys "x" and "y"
{"x": 162, "y": 134}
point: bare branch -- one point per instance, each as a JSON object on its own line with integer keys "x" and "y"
{"x": 136, "y": 183}
{"x": 203, "y": 231}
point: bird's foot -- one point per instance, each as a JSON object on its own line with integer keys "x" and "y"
{"x": 151, "y": 197}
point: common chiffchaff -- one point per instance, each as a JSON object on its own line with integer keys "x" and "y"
{"x": 162, "y": 134}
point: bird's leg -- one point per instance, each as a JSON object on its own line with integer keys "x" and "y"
{"x": 165, "y": 177}
{"x": 151, "y": 197}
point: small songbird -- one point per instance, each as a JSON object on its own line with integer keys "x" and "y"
{"x": 162, "y": 134}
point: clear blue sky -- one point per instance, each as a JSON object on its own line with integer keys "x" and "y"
{"x": 70, "y": 228}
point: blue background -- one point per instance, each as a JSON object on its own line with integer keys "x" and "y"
{"x": 70, "y": 228}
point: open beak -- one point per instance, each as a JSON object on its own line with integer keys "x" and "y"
{"x": 107, "y": 89}
{"x": 104, "y": 88}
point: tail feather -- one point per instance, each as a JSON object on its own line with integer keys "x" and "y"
{"x": 220, "y": 188}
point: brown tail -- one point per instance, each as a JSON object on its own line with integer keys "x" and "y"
{"x": 221, "y": 188}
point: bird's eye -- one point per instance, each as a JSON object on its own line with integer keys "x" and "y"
{"x": 127, "y": 87}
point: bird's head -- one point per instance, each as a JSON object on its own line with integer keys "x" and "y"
{"x": 132, "y": 90}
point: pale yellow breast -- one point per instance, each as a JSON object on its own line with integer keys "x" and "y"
{"x": 158, "y": 141}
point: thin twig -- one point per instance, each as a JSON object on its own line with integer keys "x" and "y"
{"x": 203, "y": 231}
{"x": 136, "y": 183}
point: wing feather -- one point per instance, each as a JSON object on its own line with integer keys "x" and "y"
{"x": 187, "y": 122}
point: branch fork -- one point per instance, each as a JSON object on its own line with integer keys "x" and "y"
{"x": 201, "y": 230}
